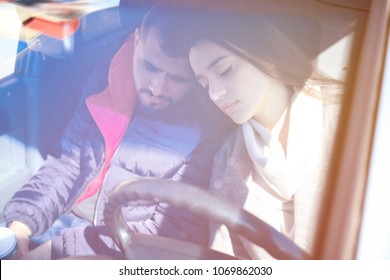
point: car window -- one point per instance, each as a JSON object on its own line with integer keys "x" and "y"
{"x": 10, "y": 26}
{"x": 34, "y": 109}
{"x": 347, "y": 181}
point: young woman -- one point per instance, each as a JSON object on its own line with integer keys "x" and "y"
{"x": 274, "y": 165}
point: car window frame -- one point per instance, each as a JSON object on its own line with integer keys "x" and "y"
{"x": 341, "y": 216}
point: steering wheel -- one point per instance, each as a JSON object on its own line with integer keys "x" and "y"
{"x": 198, "y": 201}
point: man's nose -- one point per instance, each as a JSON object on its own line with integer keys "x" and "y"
{"x": 159, "y": 85}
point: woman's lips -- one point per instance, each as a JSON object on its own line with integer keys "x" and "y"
{"x": 229, "y": 107}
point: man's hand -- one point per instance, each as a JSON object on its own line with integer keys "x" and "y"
{"x": 42, "y": 252}
{"x": 22, "y": 233}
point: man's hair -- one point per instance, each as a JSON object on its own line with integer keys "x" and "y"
{"x": 170, "y": 18}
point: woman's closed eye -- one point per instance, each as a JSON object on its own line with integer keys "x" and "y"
{"x": 226, "y": 71}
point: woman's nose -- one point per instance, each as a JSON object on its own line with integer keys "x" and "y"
{"x": 215, "y": 95}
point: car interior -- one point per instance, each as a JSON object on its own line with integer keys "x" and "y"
{"x": 39, "y": 97}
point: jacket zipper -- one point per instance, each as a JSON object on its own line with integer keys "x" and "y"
{"x": 99, "y": 198}
{"x": 91, "y": 176}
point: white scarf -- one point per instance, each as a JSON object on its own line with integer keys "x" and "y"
{"x": 281, "y": 176}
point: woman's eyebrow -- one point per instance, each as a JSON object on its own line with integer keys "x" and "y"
{"x": 215, "y": 61}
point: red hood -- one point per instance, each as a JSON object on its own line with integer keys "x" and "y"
{"x": 113, "y": 107}
{"x": 119, "y": 95}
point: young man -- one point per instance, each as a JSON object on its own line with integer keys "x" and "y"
{"x": 143, "y": 120}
